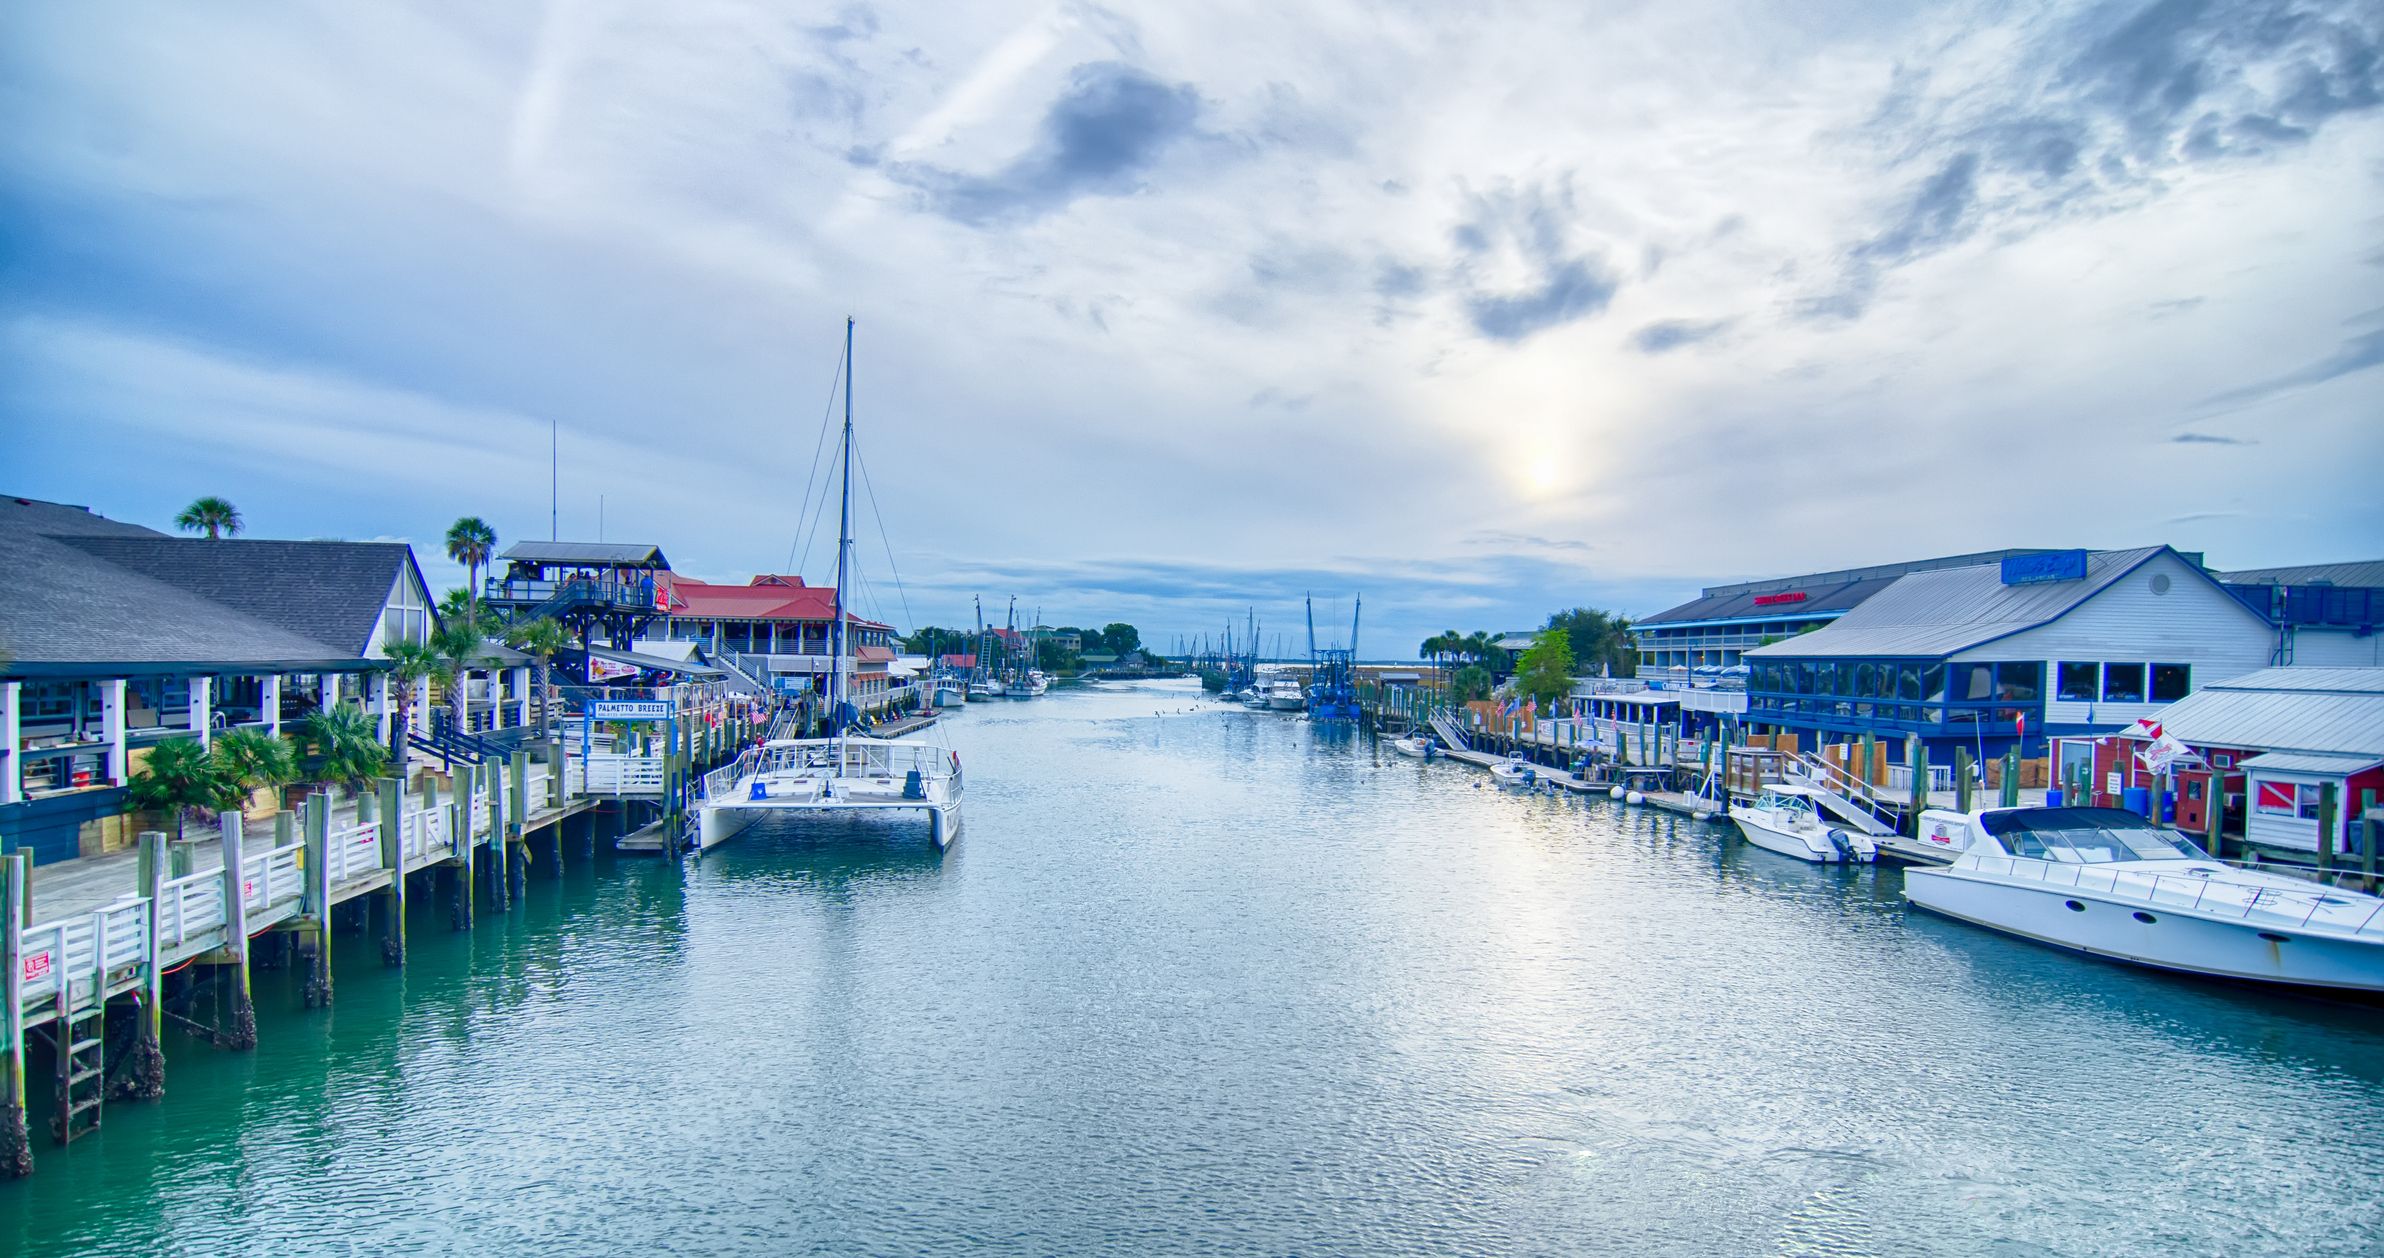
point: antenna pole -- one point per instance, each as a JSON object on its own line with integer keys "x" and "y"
{"x": 844, "y": 539}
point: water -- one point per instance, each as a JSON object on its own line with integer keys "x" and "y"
{"x": 1208, "y": 983}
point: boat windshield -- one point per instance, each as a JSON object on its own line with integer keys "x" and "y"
{"x": 2088, "y": 836}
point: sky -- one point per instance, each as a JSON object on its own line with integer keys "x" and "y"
{"x": 1167, "y": 312}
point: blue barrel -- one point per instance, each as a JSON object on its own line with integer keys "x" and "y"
{"x": 2053, "y": 797}
{"x": 2136, "y": 799}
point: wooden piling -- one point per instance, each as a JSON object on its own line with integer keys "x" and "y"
{"x": 459, "y": 811}
{"x": 241, "y": 1034}
{"x": 2011, "y": 781}
{"x": 2368, "y": 826}
{"x": 16, "y": 1139}
{"x": 1963, "y": 765}
{"x": 144, "y": 1076}
{"x": 316, "y": 900}
{"x": 2326, "y": 815}
{"x": 500, "y": 826}
{"x": 392, "y": 795}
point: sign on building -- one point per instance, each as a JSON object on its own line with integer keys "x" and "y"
{"x": 629, "y": 710}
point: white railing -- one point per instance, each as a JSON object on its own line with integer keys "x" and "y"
{"x": 1838, "y": 781}
{"x": 75, "y": 956}
{"x": 352, "y": 851}
{"x": 625, "y": 775}
{"x": 723, "y": 780}
{"x": 2199, "y": 893}
{"x": 189, "y": 907}
{"x": 479, "y": 813}
{"x": 575, "y": 777}
{"x": 540, "y": 783}
{"x": 271, "y": 876}
{"x": 425, "y": 836}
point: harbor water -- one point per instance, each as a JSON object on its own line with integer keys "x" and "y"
{"x": 1204, "y": 980}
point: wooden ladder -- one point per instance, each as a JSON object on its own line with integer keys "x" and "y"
{"x": 82, "y": 1041}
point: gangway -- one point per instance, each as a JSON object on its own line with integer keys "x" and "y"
{"x": 1450, "y": 735}
{"x": 1846, "y": 797}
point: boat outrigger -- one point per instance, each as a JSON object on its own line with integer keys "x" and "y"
{"x": 839, "y": 773}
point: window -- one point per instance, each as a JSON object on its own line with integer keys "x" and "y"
{"x": 1974, "y": 681}
{"x": 2078, "y": 683}
{"x": 2310, "y": 795}
{"x": 2123, "y": 683}
{"x": 2020, "y": 680}
{"x": 2170, "y": 682}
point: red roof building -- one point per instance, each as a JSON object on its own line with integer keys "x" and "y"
{"x": 780, "y": 617}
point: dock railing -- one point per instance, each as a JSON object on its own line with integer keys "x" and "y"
{"x": 2197, "y": 893}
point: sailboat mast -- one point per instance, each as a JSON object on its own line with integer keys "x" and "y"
{"x": 837, "y": 685}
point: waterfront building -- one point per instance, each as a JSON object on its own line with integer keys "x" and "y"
{"x": 606, "y": 592}
{"x": 776, "y": 627}
{"x": 2266, "y": 751}
{"x": 2325, "y": 615}
{"x": 1986, "y": 655}
{"x": 116, "y": 637}
{"x": 1717, "y": 628}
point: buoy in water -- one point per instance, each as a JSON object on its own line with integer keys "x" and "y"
{"x": 1615, "y": 793}
{"x": 1702, "y": 815}
{"x": 1634, "y": 798}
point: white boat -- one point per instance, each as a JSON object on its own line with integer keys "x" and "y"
{"x": 1413, "y": 745}
{"x": 1516, "y": 771}
{"x": 1035, "y": 683}
{"x": 1285, "y": 695}
{"x": 1784, "y": 819}
{"x": 987, "y": 688}
{"x": 2107, "y": 882}
{"x": 840, "y": 773}
{"x": 951, "y": 691}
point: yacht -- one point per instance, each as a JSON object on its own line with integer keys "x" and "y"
{"x": 840, "y": 773}
{"x": 1784, "y": 819}
{"x": 2107, "y": 882}
{"x": 1285, "y": 695}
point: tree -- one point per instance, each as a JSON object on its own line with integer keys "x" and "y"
{"x": 933, "y": 640}
{"x": 1545, "y": 672}
{"x": 541, "y": 639}
{"x": 1121, "y": 639}
{"x": 470, "y": 542}
{"x": 252, "y": 759}
{"x": 458, "y": 605}
{"x": 345, "y": 747}
{"x": 460, "y": 650}
{"x": 211, "y": 515}
{"x": 182, "y": 777}
{"x": 410, "y": 663}
{"x": 1600, "y": 640}
{"x": 1471, "y": 682}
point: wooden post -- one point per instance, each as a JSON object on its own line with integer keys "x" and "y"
{"x": 552, "y": 749}
{"x": 1868, "y": 742}
{"x": 2368, "y": 824}
{"x": 16, "y": 1139}
{"x": 145, "y": 1075}
{"x": 242, "y": 1034}
{"x": 1920, "y": 782}
{"x": 2326, "y": 814}
{"x": 517, "y": 776}
{"x": 2011, "y": 782}
{"x": 500, "y": 844}
{"x": 1723, "y": 761}
{"x": 316, "y": 903}
{"x": 1962, "y": 769}
{"x": 392, "y": 794}
{"x": 2214, "y": 812}
{"x": 459, "y": 824}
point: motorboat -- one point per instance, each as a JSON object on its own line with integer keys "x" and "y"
{"x": 1515, "y": 771}
{"x": 1285, "y": 695}
{"x": 2113, "y": 884}
{"x": 1415, "y": 745}
{"x": 987, "y": 688}
{"x": 951, "y": 691}
{"x": 844, "y": 774}
{"x": 1784, "y": 819}
{"x": 1035, "y": 683}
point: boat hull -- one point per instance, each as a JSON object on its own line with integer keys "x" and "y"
{"x": 1817, "y": 849}
{"x": 2151, "y": 934}
{"x": 1283, "y": 704}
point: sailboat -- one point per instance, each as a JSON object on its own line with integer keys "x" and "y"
{"x": 840, "y": 773}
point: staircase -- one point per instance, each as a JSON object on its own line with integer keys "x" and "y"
{"x": 1450, "y": 736}
{"x": 1848, "y": 798}
{"x": 82, "y": 1040}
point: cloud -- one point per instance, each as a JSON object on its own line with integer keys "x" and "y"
{"x": 1666, "y": 335}
{"x": 2209, "y": 439}
{"x": 1109, "y": 127}
{"x": 1525, "y": 233}
{"x": 2359, "y": 353}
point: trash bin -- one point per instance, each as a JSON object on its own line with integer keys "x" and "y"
{"x": 2137, "y": 799}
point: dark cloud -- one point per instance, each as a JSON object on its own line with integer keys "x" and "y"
{"x": 2208, "y": 439}
{"x": 1111, "y": 125}
{"x": 1567, "y": 283}
{"x": 1393, "y": 279}
{"x": 2098, "y": 110}
{"x": 1664, "y": 336}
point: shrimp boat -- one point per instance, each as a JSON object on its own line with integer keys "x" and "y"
{"x": 840, "y": 773}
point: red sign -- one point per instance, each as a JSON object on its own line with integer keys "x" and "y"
{"x": 2279, "y": 797}
{"x": 1774, "y": 600}
{"x": 36, "y": 965}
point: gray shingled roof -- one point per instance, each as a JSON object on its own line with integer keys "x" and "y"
{"x": 332, "y": 592}
{"x": 69, "y": 609}
{"x": 628, "y": 554}
{"x": 1933, "y": 614}
{"x": 2337, "y": 710}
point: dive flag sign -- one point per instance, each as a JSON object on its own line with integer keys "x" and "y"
{"x": 2279, "y": 797}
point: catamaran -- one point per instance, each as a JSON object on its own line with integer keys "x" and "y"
{"x": 840, "y": 773}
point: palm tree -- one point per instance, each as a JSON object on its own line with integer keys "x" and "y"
{"x": 542, "y": 639}
{"x": 253, "y": 758}
{"x": 347, "y": 750}
{"x": 410, "y": 663}
{"x": 181, "y": 776}
{"x": 470, "y": 541}
{"x": 211, "y": 515}
{"x": 460, "y": 648}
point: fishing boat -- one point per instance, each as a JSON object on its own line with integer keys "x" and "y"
{"x": 2109, "y": 883}
{"x": 1285, "y": 695}
{"x": 1035, "y": 683}
{"x": 987, "y": 688}
{"x": 1414, "y": 745}
{"x": 951, "y": 690}
{"x": 1784, "y": 819}
{"x": 840, "y": 773}
{"x": 1515, "y": 771}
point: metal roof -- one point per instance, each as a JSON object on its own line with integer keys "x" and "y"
{"x": 607, "y": 554}
{"x": 654, "y": 663}
{"x": 1825, "y": 593}
{"x": 2312, "y": 762}
{"x": 2327, "y": 710}
{"x": 2368, "y": 573}
{"x": 1938, "y": 613}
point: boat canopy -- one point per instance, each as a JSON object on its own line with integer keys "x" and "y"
{"x": 2086, "y": 836}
